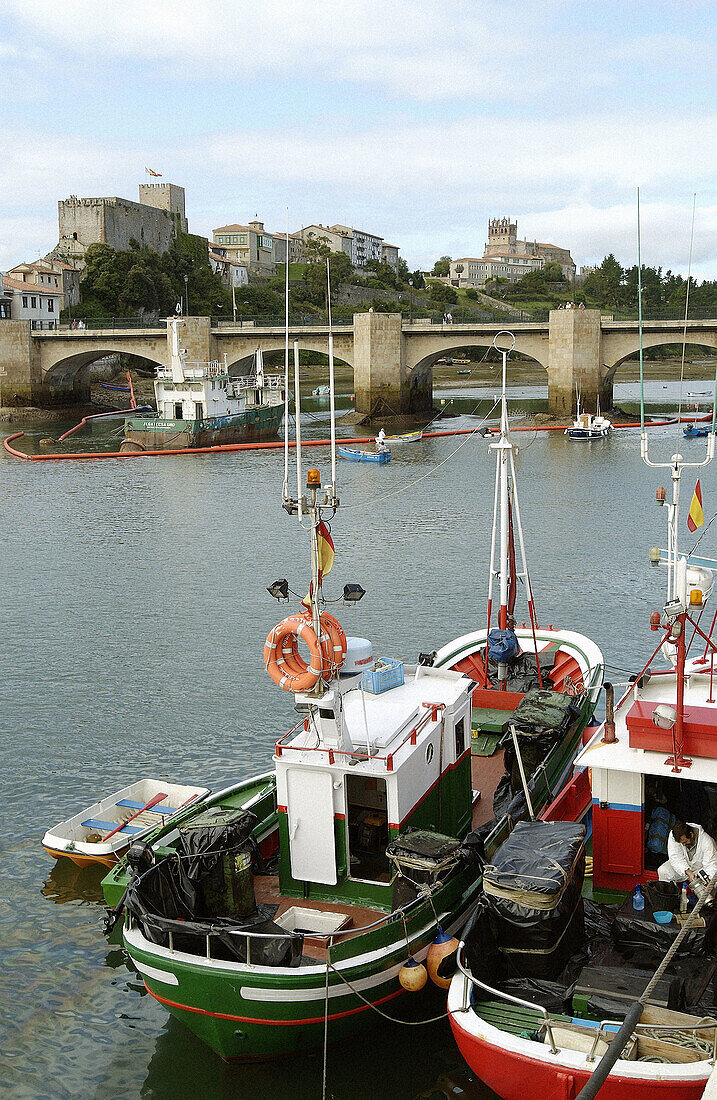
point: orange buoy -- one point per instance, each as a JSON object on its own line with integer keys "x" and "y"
{"x": 442, "y": 947}
{"x": 413, "y": 975}
{"x": 285, "y": 664}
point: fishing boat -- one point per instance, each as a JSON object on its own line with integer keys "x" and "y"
{"x": 542, "y": 996}
{"x": 587, "y": 426}
{"x": 102, "y": 832}
{"x": 541, "y": 683}
{"x": 353, "y": 455}
{"x": 201, "y": 405}
{"x": 269, "y": 924}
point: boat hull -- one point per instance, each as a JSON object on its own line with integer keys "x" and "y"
{"x": 513, "y": 1075}
{"x": 172, "y": 435}
{"x": 252, "y": 1013}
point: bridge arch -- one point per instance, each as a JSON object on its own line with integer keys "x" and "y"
{"x": 619, "y": 353}
{"x": 68, "y": 379}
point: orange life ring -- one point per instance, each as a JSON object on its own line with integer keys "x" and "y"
{"x": 285, "y": 664}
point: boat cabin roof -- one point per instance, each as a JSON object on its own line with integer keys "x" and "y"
{"x": 661, "y": 688}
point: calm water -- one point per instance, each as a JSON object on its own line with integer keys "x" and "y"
{"x": 134, "y": 616}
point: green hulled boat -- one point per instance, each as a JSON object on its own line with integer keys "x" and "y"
{"x": 202, "y": 405}
{"x": 290, "y": 906}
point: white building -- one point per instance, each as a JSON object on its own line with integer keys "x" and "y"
{"x": 231, "y": 272}
{"x": 358, "y": 245}
{"x": 23, "y": 301}
{"x": 471, "y": 271}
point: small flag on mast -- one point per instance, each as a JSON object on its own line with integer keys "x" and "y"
{"x": 151, "y": 173}
{"x": 696, "y": 516}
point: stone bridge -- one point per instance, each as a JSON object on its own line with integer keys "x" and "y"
{"x": 392, "y": 359}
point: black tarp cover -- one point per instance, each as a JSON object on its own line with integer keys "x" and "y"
{"x": 538, "y": 858}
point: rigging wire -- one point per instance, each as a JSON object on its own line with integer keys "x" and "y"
{"x": 684, "y": 327}
{"x": 410, "y": 484}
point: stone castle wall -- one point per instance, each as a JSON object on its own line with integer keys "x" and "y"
{"x": 114, "y": 221}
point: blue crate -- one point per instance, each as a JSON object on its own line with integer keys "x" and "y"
{"x": 390, "y": 675}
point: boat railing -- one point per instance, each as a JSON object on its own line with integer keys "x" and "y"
{"x": 607, "y": 1028}
{"x": 271, "y": 382}
{"x": 329, "y": 938}
{"x": 501, "y": 995}
{"x": 604, "y": 1031}
{"x": 432, "y": 709}
{"x": 196, "y": 371}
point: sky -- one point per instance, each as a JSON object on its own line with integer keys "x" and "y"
{"x": 417, "y": 120}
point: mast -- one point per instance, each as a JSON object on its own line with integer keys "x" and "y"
{"x": 677, "y": 600}
{"x": 285, "y": 494}
{"x": 332, "y": 393}
{"x": 506, "y": 505}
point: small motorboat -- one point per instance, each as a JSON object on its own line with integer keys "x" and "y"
{"x": 587, "y": 426}
{"x": 693, "y": 432}
{"x": 382, "y": 457}
{"x": 321, "y": 391}
{"x": 466, "y": 371}
{"x": 406, "y": 437}
{"x": 103, "y": 832}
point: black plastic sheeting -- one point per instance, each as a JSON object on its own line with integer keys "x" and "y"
{"x": 177, "y": 896}
{"x": 541, "y": 857}
{"x": 689, "y": 984}
{"x": 434, "y": 848}
{"x": 522, "y": 673}
{"x": 541, "y": 720}
{"x": 533, "y": 892}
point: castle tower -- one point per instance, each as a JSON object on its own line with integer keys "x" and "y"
{"x": 502, "y": 237}
{"x": 165, "y": 196}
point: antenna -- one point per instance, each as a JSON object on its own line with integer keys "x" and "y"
{"x": 676, "y": 463}
{"x": 332, "y": 393}
{"x": 285, "y": 490}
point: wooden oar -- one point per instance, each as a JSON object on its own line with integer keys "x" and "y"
{"x": 147, "y": 806}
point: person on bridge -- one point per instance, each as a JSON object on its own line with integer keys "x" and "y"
{"x": 690, "y": 849}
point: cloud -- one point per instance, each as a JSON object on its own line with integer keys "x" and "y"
{"x": 421, "y": 49}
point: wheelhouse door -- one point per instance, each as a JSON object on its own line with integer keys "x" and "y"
{"x": 310, "y": 811}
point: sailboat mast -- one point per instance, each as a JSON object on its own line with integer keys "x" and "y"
{"x": 285, "y": 493}
{"x": 503, "y": 447}
{"x": 332, "y": 388}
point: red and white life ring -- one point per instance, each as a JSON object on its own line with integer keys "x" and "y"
{"x": 285, "y": 664}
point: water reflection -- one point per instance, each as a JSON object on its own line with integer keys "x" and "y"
{"x": 68, "y": 882}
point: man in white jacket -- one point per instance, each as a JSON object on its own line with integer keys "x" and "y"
{"x": 689, "y": 849}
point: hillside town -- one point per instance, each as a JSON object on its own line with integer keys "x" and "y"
{"x": 240, "y": 254}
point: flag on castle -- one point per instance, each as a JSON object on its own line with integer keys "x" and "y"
{"x": 696, "y": 516}
{"x": 151, "y": 173}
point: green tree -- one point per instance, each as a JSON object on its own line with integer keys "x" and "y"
{"x": 442, "y": 266}
{"x": 442, "y": 294}
{"x": 418, "y": 281}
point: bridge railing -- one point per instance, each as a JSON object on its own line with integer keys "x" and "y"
{"x": 94, "y": 323}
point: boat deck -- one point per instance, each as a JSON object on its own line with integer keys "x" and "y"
{"x": 266, "y": 889}
{"x": 486, "y": 772}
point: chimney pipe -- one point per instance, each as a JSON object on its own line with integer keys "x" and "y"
{"x": 609, "y": 737}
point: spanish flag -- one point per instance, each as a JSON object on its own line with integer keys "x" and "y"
{"x": 696, "y": 516}
{"x": 326, "y": 549}
{"x": 151, "y": 173}
{"x": 325, "y": 546}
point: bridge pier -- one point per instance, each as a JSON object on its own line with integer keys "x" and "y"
{"x": 575, "y": 362}
{"x": 381, "y": 381}
{"x": 21, "y": 377}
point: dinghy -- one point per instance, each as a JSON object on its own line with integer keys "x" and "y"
{"x": 101, "y": 833}
{"x": 382, "y": 457}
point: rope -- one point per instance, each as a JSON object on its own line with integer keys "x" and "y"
{"x": 395, "y": 1019}
{"x": 706, "y": 896}
{"x": 326, "y": 1017}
